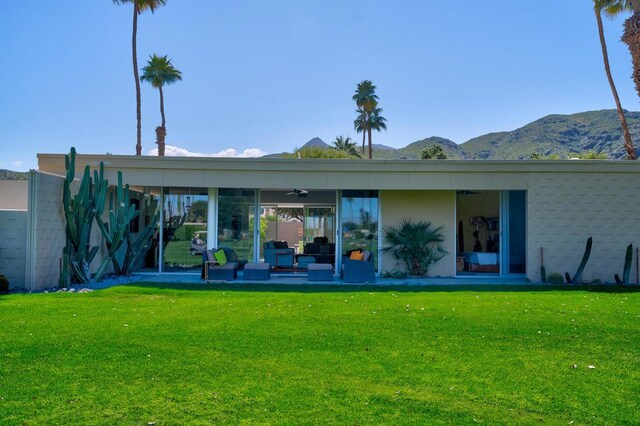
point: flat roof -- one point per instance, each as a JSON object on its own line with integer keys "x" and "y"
{"x": 278, "y": 173}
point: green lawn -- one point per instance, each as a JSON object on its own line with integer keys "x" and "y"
{"x": 206, "y": 354}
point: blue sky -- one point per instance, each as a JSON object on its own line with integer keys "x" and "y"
{"x": 270, "y": 75}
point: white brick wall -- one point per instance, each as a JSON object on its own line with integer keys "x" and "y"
{"x": 565, "y": 209}
{"x": 13, "y": 246}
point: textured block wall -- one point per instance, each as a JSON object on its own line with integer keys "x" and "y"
{"x": 13, "y": 246}
{"x": 49, "y": 230}
{"x": 565, "y": 209}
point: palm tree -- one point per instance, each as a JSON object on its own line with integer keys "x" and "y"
{"x": 366, "y": 100}
{"x": 139, "y": 6}
{"x": 612, "y": 8}
{"x": 160, "y": 71}
{"x": 360, "y": 124}
{"x": 631, "y": 33}
{"x": 347, "y": 145}
{"x": 376, "y": 122}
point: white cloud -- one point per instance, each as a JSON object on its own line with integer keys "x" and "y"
{"x": 17, "y": 164}
{"x": 174, "y": 151}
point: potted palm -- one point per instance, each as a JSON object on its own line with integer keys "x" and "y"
{"x": 415, "y": 244}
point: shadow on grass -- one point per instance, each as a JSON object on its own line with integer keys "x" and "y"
{"x": 348, "y": 288}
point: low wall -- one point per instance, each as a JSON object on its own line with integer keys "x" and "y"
{"x": 13, "y": 246}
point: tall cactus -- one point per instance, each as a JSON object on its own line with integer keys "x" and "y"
{"x": 577, "y": 278}
{"x": 124, "y": 250}
{"x": 80, "y": 211}
{"x": 626, "y": 272}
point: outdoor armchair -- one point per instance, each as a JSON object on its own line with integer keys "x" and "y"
{"x": 213, "y": 270}
{"x": 358, "y": 271}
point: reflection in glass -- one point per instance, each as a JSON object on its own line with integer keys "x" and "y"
{"x": 360, "y": 221}
{"x": 185, "y": 227}
{"x": 236, "y": 221}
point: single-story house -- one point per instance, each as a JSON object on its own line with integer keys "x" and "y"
{"x": 499, "y": 218}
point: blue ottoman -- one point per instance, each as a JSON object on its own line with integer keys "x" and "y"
{"x": 257, "y": 271}
{"x": 320, "y": 272}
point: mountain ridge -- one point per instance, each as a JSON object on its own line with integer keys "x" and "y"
{"x": 553, "y": 134}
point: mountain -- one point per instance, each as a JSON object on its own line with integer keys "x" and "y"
{"x": 557, "y": 134}
{"x": 11, "y": 175}
{"x": 316, "y": 143}
{"x": 598, "y": 131}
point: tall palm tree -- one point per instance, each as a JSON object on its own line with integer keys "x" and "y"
{"x": 160, "y": 71}
{"x": 366, "y": 100}
{"x": 139, "y": 6}
{"x": 612, "y": 8}
{"x": 347, "y": 145}
{"x": 631, "y": 33}
{"x": 360, "y": 124}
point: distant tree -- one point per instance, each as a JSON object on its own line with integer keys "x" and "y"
{"x": 593, "y": 155}
{"x": 369, "y": 115}
{"x": 538, "y": 156}
{"x": 364, "y": 97}
{"x": 347, "y": 145}
{"x": 434, "y": 152}
{"x": 139, "y": 6}
{"x": 612, "y": 8}
{"x": 159, "y": 71}
{"x": 315, "y": 152}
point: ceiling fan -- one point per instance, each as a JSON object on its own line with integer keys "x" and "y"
{"x": 300, "y": 193}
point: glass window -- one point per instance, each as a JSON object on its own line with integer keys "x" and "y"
{"x": 236, "y": 211}
{"x": 360, "y": 222}
{"x": 185, "y": 227}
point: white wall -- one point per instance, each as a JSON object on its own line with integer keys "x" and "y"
{"x": 564, "y": 209}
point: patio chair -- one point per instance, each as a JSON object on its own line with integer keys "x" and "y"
{"x": 212, "y": 270}
{"x": 358, "y": 271}
{"x": 278, "y": 254}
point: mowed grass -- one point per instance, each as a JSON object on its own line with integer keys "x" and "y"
{"x": 303, "y": 355}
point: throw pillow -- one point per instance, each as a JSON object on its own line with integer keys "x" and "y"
{"x": 356, "y": 255}
{"x": 221, "y": 258}
{"x": 366, "y": 256}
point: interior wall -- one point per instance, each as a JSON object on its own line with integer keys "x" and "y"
{"x": 486, "y": 204}
{"x": 14, "y": 194}
{"x": 437, "y": 207}
{"x": 13, "y": 246}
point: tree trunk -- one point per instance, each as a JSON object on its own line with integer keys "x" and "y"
{"x": 162, "y": 106}
{"x": 134, "y": 51}
{"x": 370, "y": 151}
{"x": 161, "y": 134}
{"x": 628, "y": 143}
{"x": 364, "y": 135}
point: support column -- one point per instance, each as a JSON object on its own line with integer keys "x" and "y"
{"x": 212, "y": 219}
{"x": 161, "y": 232}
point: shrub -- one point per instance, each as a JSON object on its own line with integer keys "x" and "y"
{"x": 418, "y": 245}
{"x": 555, "y": 278}
{"x": 596, "y": 281}
{"x": 4, "y": 284}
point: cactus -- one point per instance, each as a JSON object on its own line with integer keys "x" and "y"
{"x": 577, "y": 278}
{"x": 628, "y": 260}
{"x": 80, "y": 211}
{"x": 124, "y": 251}
{"x": 543, "y": 274}
{"x": 555, "y": 278}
